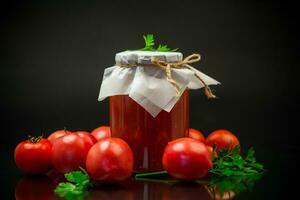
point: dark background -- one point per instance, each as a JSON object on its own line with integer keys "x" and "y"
{"x": 53, "y": 54}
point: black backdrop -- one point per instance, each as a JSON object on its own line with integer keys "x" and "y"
{"x": 53, "y": 53}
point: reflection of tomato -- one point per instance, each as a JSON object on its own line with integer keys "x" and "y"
{"x": 101, "y": 132}
{"x": 223, "y": 139}
{"x": 55, "y": 176}
{"x": 110, "y": 160}
{"x": 111, "y": 192}
{"x": 35, "y": 188}
{"x": 195, "y": 134}
{"x": 69, "y": 153}
{"x": 57, "y": 134}
{"x": 33, "y": 156}
{"x": 186, "y": 191}
{"x": 187, "y": 159}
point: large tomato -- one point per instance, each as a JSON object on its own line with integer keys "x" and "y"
{"x": 35, "y": 188}
{"x": 224, "y": 139}
{"x": 69, "y": 152}
{"x": 57, "y": 134}
{"x": 101, "y": 132}
{"x": 110, "y": 160}
{"x": 187, "y": 159}
{"x": 33, "y": 156}
{"x": 195, "y": 134}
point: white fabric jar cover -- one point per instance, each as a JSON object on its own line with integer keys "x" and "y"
{"x": 147, "y": 85}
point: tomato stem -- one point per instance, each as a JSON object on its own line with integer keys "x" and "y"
{"x": 151, "y": 174}
{"x": 34, "y": 139}
{"x": 83, "y": 170}
{"x": 169, "y": 181}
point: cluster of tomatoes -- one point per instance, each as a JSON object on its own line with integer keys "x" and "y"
{"x": 110, "y": 159}
{"x": 190, "y": 158}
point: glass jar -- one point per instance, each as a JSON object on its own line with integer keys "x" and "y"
{"x": 147, "y": 135}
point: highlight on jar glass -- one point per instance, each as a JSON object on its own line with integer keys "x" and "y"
{"x": 148, "y": 92}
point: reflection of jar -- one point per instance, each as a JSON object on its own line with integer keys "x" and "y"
{"x": 147, "y": 135}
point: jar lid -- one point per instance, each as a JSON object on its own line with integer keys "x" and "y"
{"x": 149, "y": 86}
{"x": 144, "y": 57}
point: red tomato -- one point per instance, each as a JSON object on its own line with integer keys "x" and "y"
{"x": 35, "y": 188}
{"x": 195, "y": 134}
{"x": 89, "y": 139}
{"x": 33, "y": 156}
{"x": 223, "y": 139}
{"x": 101, "y": 132}
{"x": 69, "y": 153}
{"x": 110, "y": 160}
{"x": 187, "y": 159}
{"x": 57, "y": 134}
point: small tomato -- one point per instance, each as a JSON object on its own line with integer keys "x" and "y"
{"x": 57, "y": 134}
{"x": 223, "y": 139}
{"x": 195, "y": 134}
{"x": 33, "y": 156}
{"x": 110, "y": 160}
{"x": 187, "y": 159}
{"x": 88, "y": 138}
{"x": 69, "y": 152}
{"x": 101, "y": 132}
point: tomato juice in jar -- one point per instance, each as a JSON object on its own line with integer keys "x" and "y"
{"x": 147, "y": 135}
{"x": 149, "y": 101}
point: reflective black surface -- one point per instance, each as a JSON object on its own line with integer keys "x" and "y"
{"x": 53, "y": 54}
{"x": 42, "y": 187}
{"x": 15, "y": 184}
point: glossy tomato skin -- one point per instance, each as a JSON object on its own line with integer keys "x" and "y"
{"x": 57, "y": 134}
{"x": 69, "y": 153}
{"x": 110, "y": 160}
{"x": 195, "y": 134}
{"x": 187, "y": 159}
{"x": 88, "y": 138}
{"x": 223, "y": 139}
{"x": 101, "y": 132}
{"x": 33, "y": 157}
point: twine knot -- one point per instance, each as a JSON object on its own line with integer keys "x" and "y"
{"x": 167, "y": 66}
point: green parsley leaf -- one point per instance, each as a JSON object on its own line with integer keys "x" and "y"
{"x": 63, "y": 188}
{"x": 149, "y": 45}
{"x": 77, "y": 186}
{"x": 76, "y": 177}
{"x": 165, "y": 48}
{"x": 149, "y": 42}
{"x": 232, "y": 172}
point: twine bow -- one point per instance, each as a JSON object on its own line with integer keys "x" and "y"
{"x": 167, "y": 66}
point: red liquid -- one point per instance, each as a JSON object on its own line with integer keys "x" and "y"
{"x": 146, "y": 135}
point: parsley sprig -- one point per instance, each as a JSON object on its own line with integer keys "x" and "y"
{"x": 150, "y": 45}
{"x": 77, "y": 186}
{"x": 232, "y": 172}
